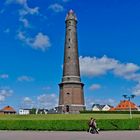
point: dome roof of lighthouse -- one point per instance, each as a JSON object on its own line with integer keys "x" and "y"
{"x": 71, "y": 15}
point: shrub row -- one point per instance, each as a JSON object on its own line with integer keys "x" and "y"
{"x": 108, "y": 112}
{"x": 68, "y": 125}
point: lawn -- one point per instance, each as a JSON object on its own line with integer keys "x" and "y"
{"x": 68, "y": 122}
{"x": 67, "y": 116}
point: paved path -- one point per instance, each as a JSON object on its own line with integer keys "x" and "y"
{"x": 40, "y": 135}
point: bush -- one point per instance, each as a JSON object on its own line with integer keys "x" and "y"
{"x": 33, "y": 111}
{"x": 119, "y": 124}
{"x": 68, "y": 125}
{"x": 108, "y": 112}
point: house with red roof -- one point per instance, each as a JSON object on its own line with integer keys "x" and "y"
{"x": 125, "y": 106}
{"x": 8, "y": 110}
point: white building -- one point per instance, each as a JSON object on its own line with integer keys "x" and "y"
{"x": 98, "y": 107}
{"x": 106, "y": 108}
{"x": 41, "y": 111}
{"x": 24, "y": 111}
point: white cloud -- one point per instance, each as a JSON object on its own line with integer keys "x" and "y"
{"x": 126, "y": 70}
{"x": 56, "y": 7}
{"x": 40, "y": 41}
{"x": 108, "y": 101}
{"x": 25, "y": 78}
{"x": 66, "y": 0}
{"x": 136, "y": 90}
{"x": 129, "y": 68}
{"x": 95, "y": 87}
{"x": 25, "y": 22}
{"x": 2, "y": 98}
{"x": 93, "y": 66}
{"x": 47, "y": 101}
{"x": 4, "y": 76}
{"x": 21, "y": 36}
{"x": 46, "y": 88}
{"x": 25, "y": 10}
{"x": 22, "y": 2}
{"x": 27, "y": 102}
{"x": 4, "y": 93}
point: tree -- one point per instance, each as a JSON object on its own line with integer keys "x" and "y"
{"x": 33, "y": 111}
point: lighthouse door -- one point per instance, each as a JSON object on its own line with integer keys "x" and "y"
{"x": 67, "y": 108}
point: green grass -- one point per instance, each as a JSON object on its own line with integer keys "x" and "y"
{"x": 68, "y": 122}
{"x": 67, "y": 116}
{"x": 69, "y": 125}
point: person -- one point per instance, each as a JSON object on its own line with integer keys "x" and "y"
{"x": 94, "y": 127}
{"x": 90, "y": 125}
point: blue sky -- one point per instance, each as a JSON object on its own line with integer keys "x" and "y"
{"x": 32, "y": 34}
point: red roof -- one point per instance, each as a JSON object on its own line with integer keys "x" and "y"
{"x": 125, "y": 105}
{"x": 8, "y": 109}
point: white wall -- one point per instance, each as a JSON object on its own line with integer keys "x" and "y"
{"x": 95, "y": 108}
{"x": 106, "y": 108}
{"x": 24, "y": 111}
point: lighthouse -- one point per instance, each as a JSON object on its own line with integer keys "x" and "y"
{"x": 71, "y": 93}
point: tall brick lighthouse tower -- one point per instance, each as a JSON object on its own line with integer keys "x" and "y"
{"x": 71, "y": 96}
